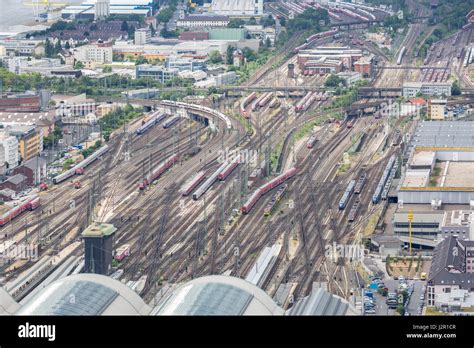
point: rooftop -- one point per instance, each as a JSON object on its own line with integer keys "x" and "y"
{"x": 444, "y": 134}
{"x": 93, "y": 295}
{"x": 448, "y": 264}
{"x": 218, "y": 295}
{"x": 99, "y": 230}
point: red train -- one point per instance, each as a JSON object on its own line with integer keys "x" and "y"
{"x": 156, "y": 173}
{"x": 254, "y": 197}
{"x": 191, "y": 184}
{"x": 227, "y": 170}
{"x": 29, "y": 204}
{"x": 246, "y": 102}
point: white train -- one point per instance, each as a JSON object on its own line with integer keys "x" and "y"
{"x": 67, "y": 174}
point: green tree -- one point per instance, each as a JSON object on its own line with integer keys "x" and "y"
{"x": 252, "y": 21}
{"x": 67, "y": 45}
{"x": 124, "y": 26}
{"x": 79, "y": 65}
{"x": 455, "y": 89}
{"x": 215, "y": 57}
{"x": 141, "y": 60}
{"x": 334, "y": 81}
{"x": 229, "y": 55}
{"x": 235, "y": 23}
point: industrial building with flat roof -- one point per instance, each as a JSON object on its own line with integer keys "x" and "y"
{"x": 237, "y": 8}
{"x": 120, "y": 7}
{"x": 411, "y": 89}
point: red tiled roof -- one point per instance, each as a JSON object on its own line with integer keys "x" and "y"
{"x": 417, "y": 101}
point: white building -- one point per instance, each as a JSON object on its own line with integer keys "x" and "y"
{"x": 95, "y": 53}
{"x": 411, "y": 89}
{"x": 102, "y": 9}
{"x": 8, "y": 150}
{"x": 142, "y": 36}
{"x": 237, "y": 8}
{"x": 202, "y": 21}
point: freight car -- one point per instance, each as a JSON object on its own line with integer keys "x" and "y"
{"x": 354, "y": 210}
{"x": 254, "y": 197}
{"x": 158, "y": 171}
{"x": 274, "y": 201}
{"x": 360, "y": 183}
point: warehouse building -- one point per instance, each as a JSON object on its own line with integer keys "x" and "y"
{"x": 156, "y": 72}
{"x": 237, "y": 8}
{"x": 411, "y": 89}
{"x": 92, "y": 9}
{"x": 202, "y": 21}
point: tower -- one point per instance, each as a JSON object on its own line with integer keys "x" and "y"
{"x": 98, "y": 248}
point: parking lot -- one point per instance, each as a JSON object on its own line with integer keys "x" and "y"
{"x": 414, "y": 289}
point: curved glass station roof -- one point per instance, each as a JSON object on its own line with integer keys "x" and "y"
{"x": 85, "y": 294}
{"x": 218, "y": 295}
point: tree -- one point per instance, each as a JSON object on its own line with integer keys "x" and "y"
{"x": 252, "y": 21}
{"x": 235, "y": 23}
{"x": 124, "y": 26}
{"x": 268, "y": 21}
{"x": 79, "y": 65}
{"x": 141, "y": 60}
{"x": 57, "y": 47}
{"x": 455, "y": 89}
{"x": 282, "y": 21}
{"x": 215, "y": 57}
{"x": 268, "y": 42}
{"x": 334, "y": 81}
{"x": 48, "y": 48}
{"x": 229, "y": 55}
{"x": 67, "y": 45}
{"x": 249, "y": 54}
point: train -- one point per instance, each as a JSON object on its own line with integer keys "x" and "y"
{"x": 440, "y": 53}
{"x": 158, "y": 170}
{"x": 208, "y": 183}
{"x": 383, "y": 180}
{"x": 190, "y": 185}
{"x": 400, "y": 56}
{"x": 310, "y": 40}
{"x": 81, "y": 165}
{"x": 122, "y": 252}
{"x": 247, "y": 100}
{"x": 360, "y": 184}
{"x": 200, "y": 108}
{"x": 265, "y": 99}
{"x": 156, "y": 118}
{"x": 274, "y": 103}
{"x": 275, "y": 199}
{"x": 347, "y": 194}
{"x": 467, "y": 57}
{"x": 353, "y": 212}
{"x": 307, "y": 101}
{"x": 29, "y": 204}
{"x": 311, "y": 141}
{"x": 171, "y": 122}
{"x": 228, "y": 169}
{"x": 255, "y": 196}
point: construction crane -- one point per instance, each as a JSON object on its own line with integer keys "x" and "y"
{"x": 41, "y": 8}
